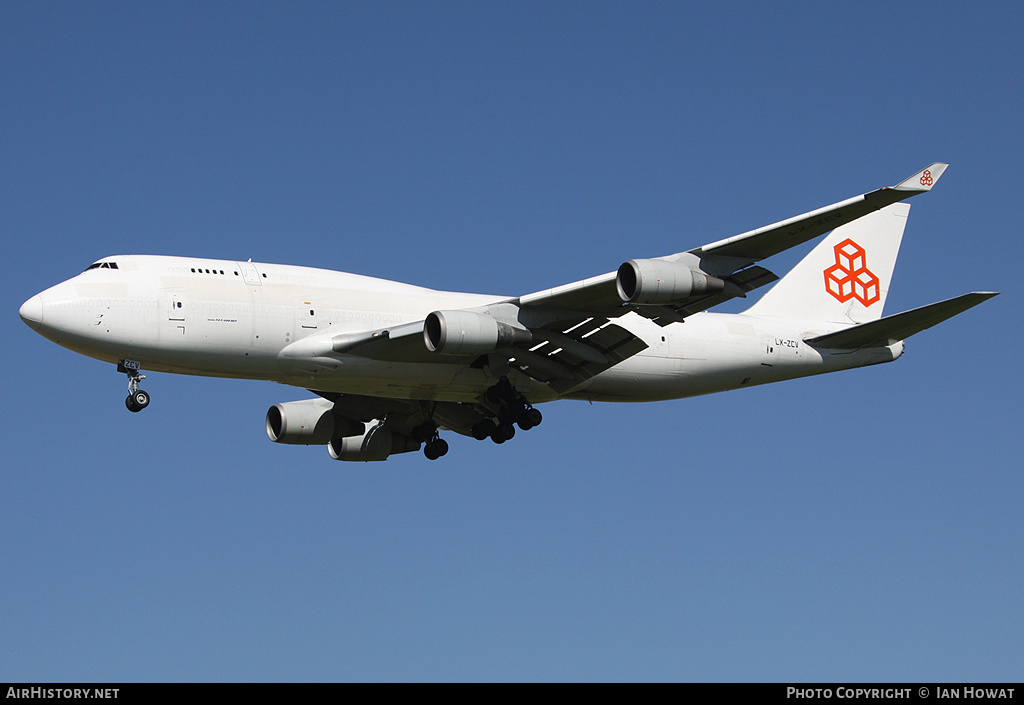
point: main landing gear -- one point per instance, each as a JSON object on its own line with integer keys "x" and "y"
{"x": 434, "y": 446}
{"x": 512, "y": 410}
{"x": 137, "y": 399}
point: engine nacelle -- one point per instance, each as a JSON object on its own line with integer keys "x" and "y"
{"x": 469, "y": 333}
{"x": 309, "y": 422}
{"x": 657, "y": 281}
{"x": 376, "y": 443}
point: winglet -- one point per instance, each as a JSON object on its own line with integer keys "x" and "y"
{"x": 924, "y": 179}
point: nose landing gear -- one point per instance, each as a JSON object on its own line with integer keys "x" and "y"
{"x": 137, "y": 399}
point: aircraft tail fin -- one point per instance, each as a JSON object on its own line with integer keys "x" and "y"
{"x": 845, "y": 279}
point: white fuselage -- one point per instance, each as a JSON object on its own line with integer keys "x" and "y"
{"x": 243, "y": 320}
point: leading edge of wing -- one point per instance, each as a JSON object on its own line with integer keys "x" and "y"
{"x": 593, "y": 294}
{"x": 771, "y": 239}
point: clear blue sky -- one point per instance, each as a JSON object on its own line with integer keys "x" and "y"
{"x": 858, "y": 526}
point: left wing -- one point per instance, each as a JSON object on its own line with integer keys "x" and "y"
{"x": 562, "y": 349}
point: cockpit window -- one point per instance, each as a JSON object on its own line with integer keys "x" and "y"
{"x": 102, "y": 265}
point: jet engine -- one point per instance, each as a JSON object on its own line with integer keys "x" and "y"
{"x": 658, "y": 281}
{"x": 309, "y": 422}
{"x": 470, "y": 333}
{"x": 376, "y": 443}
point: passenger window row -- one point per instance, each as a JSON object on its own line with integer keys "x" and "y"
{"x": 200, "y": 270}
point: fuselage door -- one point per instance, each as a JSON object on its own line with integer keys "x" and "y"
{"x": 176, "y": 307}
{"x": 307, "y": 315}
{"x": 771, "y": 351}
{"x": 249, "y": 273}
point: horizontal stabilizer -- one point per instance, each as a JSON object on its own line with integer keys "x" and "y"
{"x": 900, "y": 326}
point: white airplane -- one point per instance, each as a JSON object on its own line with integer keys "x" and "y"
{"x": 392, "y": 364}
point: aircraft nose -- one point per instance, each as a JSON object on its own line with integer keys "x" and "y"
{"x": 32, "y": 312}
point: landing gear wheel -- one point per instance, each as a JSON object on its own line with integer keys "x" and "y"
{"x": 510, "y": 408}
{"x": 504, "y": 432}
{"x": 528, "y": 418}
{"x": 437, "y": 448}
{"x": 483, "y": 429}
{"x": 137, "y": 401}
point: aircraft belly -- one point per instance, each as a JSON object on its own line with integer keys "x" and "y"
{"x": 706, "y": 354}
{"x": 353, "y": 375}
{"x": 659, "y": 379}
{"x": 716, "y": 353}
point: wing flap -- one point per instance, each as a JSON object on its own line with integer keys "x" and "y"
{"x": 567, "y": 358}
{"x": 614, "y": 342}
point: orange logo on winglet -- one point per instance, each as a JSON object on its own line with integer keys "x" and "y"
{"x": 850, "y": 278}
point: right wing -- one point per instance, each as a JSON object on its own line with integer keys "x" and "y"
{"x": 773, "y": 239}
{"x": 730, "y": 259}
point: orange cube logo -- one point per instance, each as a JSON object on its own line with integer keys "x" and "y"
{"x": 850, "y": 278}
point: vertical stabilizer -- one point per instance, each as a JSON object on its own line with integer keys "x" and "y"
{"x": 845, "y": 279}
